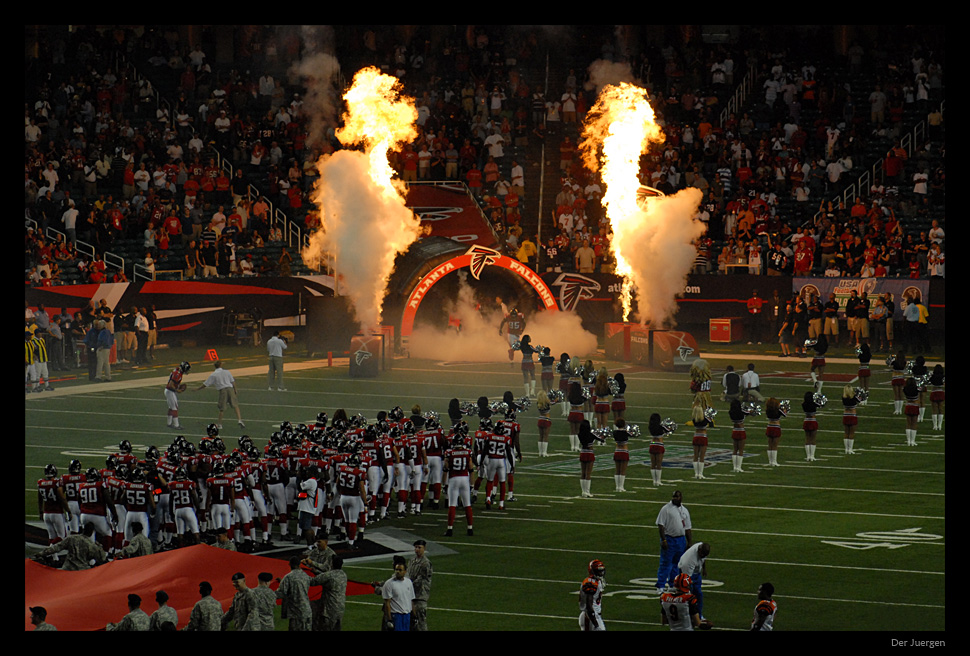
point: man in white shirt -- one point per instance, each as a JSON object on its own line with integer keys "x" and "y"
{"x": 275, "y": 347}
{"x": 225, "y": 384}
{"x": 751, "y": 385}
{"x": 694, "y": 564}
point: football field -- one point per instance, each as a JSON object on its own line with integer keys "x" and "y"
{"x": 850, "y": 542}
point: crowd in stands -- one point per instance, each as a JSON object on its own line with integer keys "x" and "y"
{"x": 130, "y": 136}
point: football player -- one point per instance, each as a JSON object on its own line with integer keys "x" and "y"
{"x": 591, "y": 597}
{"x": 139, "y": 500}
{"x": 52, "y": 504}
{"x": 71, "y": 480}
{"x": 764, "y": 612}
{"x": 173, "y": 388}
{"x": 498, "y": 459}
{"x": 220, "y": 498}
{"x": 353, "y": 496}
{"x": 185, "y": 500}
{"x": 678, "y": 608}
{"x": 458, "y": 463}
{"x": 93, "y": 506}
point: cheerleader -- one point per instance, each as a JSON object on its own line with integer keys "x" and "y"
{"x": 621, "y": 454}
{"x": 547, "y": 363}
{"x": 774, "y": 413}
{"x": 564, "y": 376}
{"x": 912, "y": 409}
{"x": 865, "y": 356}
{"x": 589, "y": 382}
{"x": 528, "y": 366}
{"x": 586, "y": 457}
{"x": 820, "y": 346}
{"x": 618, "y": 406}
{"x": 898, "y": 380}
{"x": 454, "y": 412}
{"x": 810, "y": 425}
{"x": 657, "y": 433}
{"x": 937, "y": 396}
{"x": 849, "y": 418}
{"x": 544, "y": 405}
{"x": 919, "y": 373}
{"x": 699, "y": 441}
{"x": 575, "y": 417}
{"x": 601, "y": 391}
{"x": 738, "y": 435}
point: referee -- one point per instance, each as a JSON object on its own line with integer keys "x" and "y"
{"x": 224, "y": 382}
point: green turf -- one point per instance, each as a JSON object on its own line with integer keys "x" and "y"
{"x": 850, "y": 542}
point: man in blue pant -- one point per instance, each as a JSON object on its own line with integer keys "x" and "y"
{"x": 674, "y": 525}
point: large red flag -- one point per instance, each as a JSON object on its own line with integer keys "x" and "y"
{"x": 88, "y": 600}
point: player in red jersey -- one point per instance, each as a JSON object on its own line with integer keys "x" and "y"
{"x": 255, "y": 469}
{"x": 353, "y": 496}
{"x": 458, "y": 462}
{"x": 242, "y": 508}
{"x": 173, "y": 388}
{"x": 220, "y": 498}
{"x": 416, "y": 466}
{"x": 498, "y": 459}
{"x": 139, "y": 499}
{"x": 93, "y": 506}
{"x": 185, "y": 500}
{"x": 52, "y": 504}
{"x": 277, "y": 476}
{"x": 434, "y": 444}
{"x": 70, "y": 481}
{"x": 513, "y": 428}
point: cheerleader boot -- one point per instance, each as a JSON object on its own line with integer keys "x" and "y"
{"x": 808, "y": 452}
{"x": 922, "y": 410}
{"x": 525, "y": 386}
{"x": 659, "y": 475}
{"x": 532, "y": 389}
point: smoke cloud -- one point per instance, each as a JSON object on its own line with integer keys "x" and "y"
{"x": 479, "y": 341}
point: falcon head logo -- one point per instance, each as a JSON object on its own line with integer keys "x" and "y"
{"x": 361, "y": 355}
{"x": 574, "y": 287}
{"x": 482, "y": 256}
{"x": 684, "y": 352}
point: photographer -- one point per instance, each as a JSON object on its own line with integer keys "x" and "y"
{"x": 275, "y": 346}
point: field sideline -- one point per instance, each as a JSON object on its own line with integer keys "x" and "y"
{"x": 851, "y": 543}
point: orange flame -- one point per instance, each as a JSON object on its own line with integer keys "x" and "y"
{"x": 652, "y": 241}
{"x": 365, "y": 223}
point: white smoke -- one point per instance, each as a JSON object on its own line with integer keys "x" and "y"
{"x": 479, "y": 339}
{"x": 603, "y": 72}
{"x": 318, "y": 71}
{"x": 660, "y": 249}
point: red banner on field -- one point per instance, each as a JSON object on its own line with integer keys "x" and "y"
{"x": 88, "y": 600}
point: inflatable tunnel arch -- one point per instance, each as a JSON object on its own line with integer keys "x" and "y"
{"x": 476, "y": 259}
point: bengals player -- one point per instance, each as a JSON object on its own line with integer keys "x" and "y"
{"x": 591, "y": 597}
{"x": 764, "y": 611}
{"x": 678, "y": 609}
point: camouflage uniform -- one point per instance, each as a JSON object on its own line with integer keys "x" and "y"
{"x": 320, "y": 561}
{"x": 81, "y": 550}
{"x": 139, "y": 545}
{"x": 263, "y": 608}
{"x": 243, "y": 611}
{"x": 420, "y": 571}
{"x": 162, "y": 615}
{"x": 333, "y": 598}
{"x": 206, "y": 615}
{"x": 294, "y": 591}
{"x": 136, "y": 620}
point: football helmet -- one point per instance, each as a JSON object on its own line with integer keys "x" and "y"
{"x": 184, "y": 366}
{"x": 181, "y": 474}
{"x": 323, "y": 418}
{"x": 50, "y": 471}
{"x": 212, "y": 430}
{"x": 74, "y": 467}
{"x": 124, "y": 447}
{"x": 682, "y": 582}
{"x": 92, "y": 475}
{"x": 597, "y": 568}
{"x": 152, "y": 453}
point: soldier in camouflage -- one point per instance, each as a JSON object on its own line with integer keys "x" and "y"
{"x": 265, "y": 605}
{"x": 135, "y": 620}
{"x": 294, "y": 592}
{"x": 207, "y": 612}
{"x": 420, "y": 572}
{"x": 81, "y": 550}
{"x": 333, "y": 596}
{"x": 243, "y": 608}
